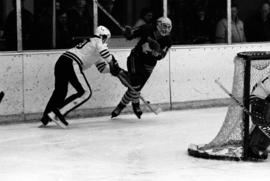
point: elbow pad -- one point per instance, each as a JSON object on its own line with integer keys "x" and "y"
{"x": 103, "y": 67}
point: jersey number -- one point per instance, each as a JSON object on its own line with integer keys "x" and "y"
{"x": 81, "y": 45}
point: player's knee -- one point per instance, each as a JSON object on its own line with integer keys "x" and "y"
{"x": 88, "y": 94}
{"x": 85, "y": 94}
{"x": 259, "y": 139}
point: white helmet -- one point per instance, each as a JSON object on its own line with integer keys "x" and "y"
{"x": 164, "y": 26}
{"x": 103, "y": 32}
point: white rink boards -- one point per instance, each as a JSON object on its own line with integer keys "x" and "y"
{"x": 186, "y": 74}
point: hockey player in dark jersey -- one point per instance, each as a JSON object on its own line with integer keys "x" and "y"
{"x": 70, "y": 67}
{"x": 153, "y": 45}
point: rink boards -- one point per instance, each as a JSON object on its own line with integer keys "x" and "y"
{"x": 183, "y": 79}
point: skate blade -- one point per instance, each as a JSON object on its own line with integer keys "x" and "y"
{"x": 42, "y": 126}
{"x": 139, "y": 116}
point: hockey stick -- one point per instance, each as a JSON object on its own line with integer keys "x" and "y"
{"x": 234, "y": 98}
{"x": 264, "y": 129}
{"x": 124, "y": 81}
{"x": 110, "y": 16}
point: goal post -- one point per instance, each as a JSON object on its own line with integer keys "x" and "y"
{"x": 231, "y": 142}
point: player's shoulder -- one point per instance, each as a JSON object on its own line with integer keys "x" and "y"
{"x": 148, "y": 27}
{"x": 96, "y": 39}
{"x": 144, "y": 29}
{"x": 167, "y": 40}
{"x": 97, "y": 42}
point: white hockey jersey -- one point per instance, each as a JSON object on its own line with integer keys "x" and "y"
{"x": 92, "y": 51}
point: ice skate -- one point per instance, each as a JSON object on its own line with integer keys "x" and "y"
{"x": 44, "y": 120}
{"x": 137, "y": 110}
{"x": 256, "y": 153}
{"x": 58, "y": 119}
{"x": 117, "y": 110}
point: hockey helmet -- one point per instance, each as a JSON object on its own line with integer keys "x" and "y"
{"x": 164, "y": 26}
{"x": 104, "y": 33}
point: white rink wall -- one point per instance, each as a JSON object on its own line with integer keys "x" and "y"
{"x": 184, "y": 78}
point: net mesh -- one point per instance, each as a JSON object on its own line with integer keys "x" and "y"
{"x": 228, "y": 143}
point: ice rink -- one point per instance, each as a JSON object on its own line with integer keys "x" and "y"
{"x": 123, "y": 149}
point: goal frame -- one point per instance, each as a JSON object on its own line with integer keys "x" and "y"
{"x": 247, "y": 58}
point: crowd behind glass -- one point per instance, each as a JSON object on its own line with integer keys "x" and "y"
{"x": 194, "y": 21}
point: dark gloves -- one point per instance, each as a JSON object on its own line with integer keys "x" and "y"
{"x": 128, "y": 32}
{"x": 114, "y": 67}
{"x": 268, "y": 98}
{"x": 153, "y": 44}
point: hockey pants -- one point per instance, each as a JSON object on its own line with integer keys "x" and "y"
{"x": 68, "y": 70}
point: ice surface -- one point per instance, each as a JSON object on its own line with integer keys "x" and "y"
{"x": 153, "y": 148}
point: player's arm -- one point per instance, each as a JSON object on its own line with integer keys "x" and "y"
{"x": 131, "y": 33}
{"x": 110, "y": 64}
{"x": 102, "y": 66}
{"x": 160, "y": 53}
{"x": 108, "y": 67}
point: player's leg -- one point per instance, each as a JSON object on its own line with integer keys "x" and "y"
{"x": 138, "y": 81}
{"x": 259, "y": 136}
{"x": 129, "y": 94}
{"x": 126, "y": 99}
{"x": 83, "y": 91}
{"x": 60, "y": 89}
{"x": 136, "y": 102}
{"x": 258, "y": 144}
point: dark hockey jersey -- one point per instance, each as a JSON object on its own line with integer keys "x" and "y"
{"x": 143, "y": 49}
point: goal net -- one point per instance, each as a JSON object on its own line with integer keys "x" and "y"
{"x": 231, "y": 142}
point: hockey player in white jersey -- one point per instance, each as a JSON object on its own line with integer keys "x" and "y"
{"x": 70, "y": 67}
{"x": 259, "y": 138}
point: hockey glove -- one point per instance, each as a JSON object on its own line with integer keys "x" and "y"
{"x": 153, "y": 44}
{"x": 127, "y": 32}
{"x": 268, "y": 98}
{"x": 260, "y": 110}
{"x": 114, "y": 67}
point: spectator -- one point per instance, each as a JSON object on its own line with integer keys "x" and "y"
{"x": 80, "y": 20}
{"x": 258, "y": 27}
{"x": 63, "y": 36}
{"x": 146, "y": 16}
{"x": 200, "y": 29}
{"x": 238, "y": 34}
{"x": 10, "y": 29}
{"x": 42, "y": 36}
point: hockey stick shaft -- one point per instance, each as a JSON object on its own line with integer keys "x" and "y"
{"x": 123, "y": 80}
{"x": 110, "y": 16}
{"x": 264, "y": 129}
{"x": 233, "y": 97}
